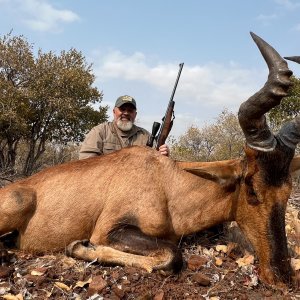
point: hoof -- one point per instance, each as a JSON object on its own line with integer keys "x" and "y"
{"x": 71, "y": 248}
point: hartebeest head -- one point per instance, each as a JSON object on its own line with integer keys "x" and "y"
{"x": 266, "y": 182}
{"x": 261, "y": 180}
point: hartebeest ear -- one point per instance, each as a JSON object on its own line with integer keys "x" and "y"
{"x": 251, "y": 159}
{"x": 295, "y": 164}
{"x": 225, "y": 173}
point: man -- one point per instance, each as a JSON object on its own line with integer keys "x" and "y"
{"x": 122, "y": 132}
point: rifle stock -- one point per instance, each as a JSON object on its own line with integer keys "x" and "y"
{"x": 167, "y": 119}
{"x": 167, "y": 125}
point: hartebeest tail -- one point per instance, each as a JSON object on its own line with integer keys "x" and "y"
{"x": 132, "y": 207}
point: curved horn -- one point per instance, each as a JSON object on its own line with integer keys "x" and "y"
{"x": 251, "y": 112}
{"x": 289, "y": 133}
{"x": 293, "y": 58}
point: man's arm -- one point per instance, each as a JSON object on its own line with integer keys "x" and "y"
{"x": 92, "y": 144}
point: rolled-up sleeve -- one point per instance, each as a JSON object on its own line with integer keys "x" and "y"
{"x": 92, "y": 144}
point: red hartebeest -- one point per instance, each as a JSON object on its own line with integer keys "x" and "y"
{"x": 131, "y": 207}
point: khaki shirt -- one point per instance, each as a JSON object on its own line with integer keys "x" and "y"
{"x": 106, "y": 138}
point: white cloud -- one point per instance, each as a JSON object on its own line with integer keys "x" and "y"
{"x": 267, "y": 19}
{"x": 288, "y": 4}
{"x": 117, "y": 65}
{"x": 297, "y": 27}
{"x": 203, "y": 92}
{"x": 210, "y": 84}
{"x": 40, "y": 15}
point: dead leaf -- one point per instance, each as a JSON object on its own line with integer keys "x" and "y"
{"x": 4, "y": 287}
{"x": 231, "y": 246}
{"x": 218, "y": 261}
{"x": 36, "y": 273}
{"x": 13, "y": 297}
{"x": 48, "y": 294}
{"x": 247, "y": 260}
{"x": 62, "y": 286}
{"x": 83, "y": 283}
{"x": 68, "y": 262}
{"x": 50, "y": 257}
{"x": 297, "y": 227}
{"x": 222, "y": 248}
{"x": 209, "y": 252}
{"x": 297, "y": 250}
{"x": 288, "y": 228}
{"x": 295, "y": 264}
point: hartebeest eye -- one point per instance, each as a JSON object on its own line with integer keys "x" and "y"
{"x": 252, "y": 198}
{"x": 251, "y": 191}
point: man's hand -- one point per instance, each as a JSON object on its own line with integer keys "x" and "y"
{"x": 164, "y": 150}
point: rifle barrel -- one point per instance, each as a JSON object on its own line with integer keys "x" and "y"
{"x": 177, "y": 79}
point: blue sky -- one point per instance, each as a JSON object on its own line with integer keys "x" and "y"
{"x": 135, "y": 47}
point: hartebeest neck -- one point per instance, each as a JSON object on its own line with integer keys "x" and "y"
{"x": 196, "y": 203}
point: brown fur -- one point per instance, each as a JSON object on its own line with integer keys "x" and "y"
{"x": 95, "y": 198}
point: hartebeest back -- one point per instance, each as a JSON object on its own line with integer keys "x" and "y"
{"x": 131, "y": 207}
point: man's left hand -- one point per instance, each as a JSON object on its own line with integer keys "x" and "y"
{"x": 164, "y": 150}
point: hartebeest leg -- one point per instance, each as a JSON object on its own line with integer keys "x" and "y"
{"x": 129, "y": 238}
{"x": 109, "y": 255}
{"x": 16, "y": 208}
{"x": 128, "y": 246}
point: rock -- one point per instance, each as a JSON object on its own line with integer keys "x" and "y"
{"x": 119, "y": 292}
{"x": 160, "y": 295}
{"x": 126, "y": 282}
{"x": 201, "y": 279}
{"x": 5, "y": 271}
{"x": 134, "y": 277}
{"x": 35, "y": 280}
{"x": 195, "y": 262}
{"x": 97, "y": 285}
{"x": 268, "y": 293}
{"x": 4, "y": 288}
{"x": 115, "y": 275}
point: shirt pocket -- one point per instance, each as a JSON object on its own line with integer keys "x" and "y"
{"x": 109, "y": 147}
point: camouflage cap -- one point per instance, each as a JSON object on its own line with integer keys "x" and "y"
{"x": 125, "y": 100}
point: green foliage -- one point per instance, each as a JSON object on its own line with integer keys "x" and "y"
{"x": 288, "y": 108}
{"x": 47, "y": 98}
{"x": 221, "y": 140}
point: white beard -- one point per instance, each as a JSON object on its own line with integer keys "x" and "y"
{"x": 124, "y": 125}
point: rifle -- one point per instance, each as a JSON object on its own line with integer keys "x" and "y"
{"x": 167, "y": 119}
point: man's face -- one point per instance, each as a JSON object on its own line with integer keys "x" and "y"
{"x": 124, "y": 116}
